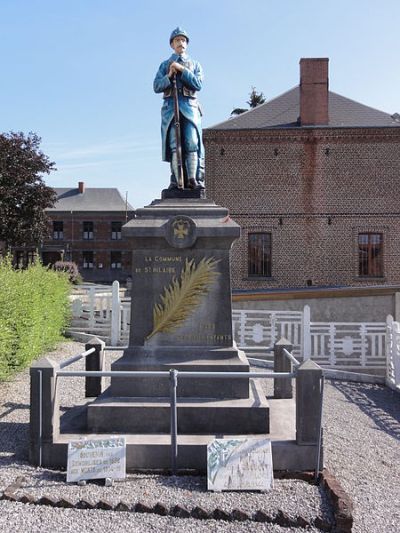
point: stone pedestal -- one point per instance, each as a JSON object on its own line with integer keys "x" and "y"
{"x": 181, "y": 318}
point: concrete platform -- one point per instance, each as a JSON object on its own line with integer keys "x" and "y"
{"x": 195, "y": 415}
{"x": 145, "y": 450}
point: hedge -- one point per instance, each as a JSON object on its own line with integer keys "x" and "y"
{"x": 34, "y": 312}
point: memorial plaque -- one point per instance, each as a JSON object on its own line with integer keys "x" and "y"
{"x": 239, "y": 464}
{"x": 96, "y": 459}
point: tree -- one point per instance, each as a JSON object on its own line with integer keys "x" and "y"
{"x": 255, "y": 99}
{"x": 23, "y": 194}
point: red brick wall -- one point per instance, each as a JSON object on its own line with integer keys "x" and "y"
{"x": 288, "y": 182}
{"x": 314, "y": 91}
{"x": 101, "y": 244}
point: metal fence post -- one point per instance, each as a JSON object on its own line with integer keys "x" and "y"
{"x": 173, "y": 382}
{"x": 282, "y": 387}
{"x": 44, "y": 415}
{"x": 94, "y": 361}
{"x": 115, "y": 314}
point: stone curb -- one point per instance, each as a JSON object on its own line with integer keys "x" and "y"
{"x": 341, "y": 503}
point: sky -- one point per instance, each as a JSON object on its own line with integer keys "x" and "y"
{"x": 79, "y": 73}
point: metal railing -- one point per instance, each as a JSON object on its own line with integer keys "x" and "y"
{"x": 173, "y": 376}
{"x": 75, "y": 358}
{"x": 291, "y": 358}
{"x": 44, "y": 376}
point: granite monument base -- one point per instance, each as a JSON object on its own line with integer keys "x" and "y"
{"x": 195, "y": 415}
{"x": 181, "y": 318}
{"x": 184, "y": 360}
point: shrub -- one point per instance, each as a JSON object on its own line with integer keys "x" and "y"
{"x": 70, "y": 268}
{"x": 34, "y": 311}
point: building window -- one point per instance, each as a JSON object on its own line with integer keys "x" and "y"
{"x": 88, "y": 261}
{"x": 30, "y": 256}
{"x": 116, "y": 260}
{"x": 259, "y": 255}
{"x": 58, "y": 230}
{"x": 88, "y": 230}
{"x": 116, "y": 231}
{"x": 370, "y": 254}
{"x": 20, "y": 259}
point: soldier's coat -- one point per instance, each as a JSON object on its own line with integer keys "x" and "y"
{"x": 188, "y": 82}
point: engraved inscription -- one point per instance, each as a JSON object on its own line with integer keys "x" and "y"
{"x": 200, "y": 337}
{"x": 159, "y": 264}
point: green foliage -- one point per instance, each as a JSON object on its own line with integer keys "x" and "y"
{"x": 34, "y": 311}
{"x": 255, "y": 99}
{"x": 23, "y": 194}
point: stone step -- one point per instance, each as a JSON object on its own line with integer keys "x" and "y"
{"x": 143, "y": 452}
{"x": 195, "y": 415}
{"x": 195, "y": 359}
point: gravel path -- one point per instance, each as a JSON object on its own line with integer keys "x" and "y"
{"x": 362, "y": 449}
{"x": 362, "y": 429}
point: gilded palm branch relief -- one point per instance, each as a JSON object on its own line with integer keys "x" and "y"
{"x": 183, "y": 295}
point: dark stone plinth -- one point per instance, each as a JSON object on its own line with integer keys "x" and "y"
{"x": 181, "y": 318}
{"x": 181, "y": 269}
{"x": 195, "y": 415}
{"x": 183, "y": 193}
{"x": 182, "y": 359}
{"x": 168, "y": 239}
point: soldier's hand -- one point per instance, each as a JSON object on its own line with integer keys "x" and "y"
{"x": 174, "y": 68}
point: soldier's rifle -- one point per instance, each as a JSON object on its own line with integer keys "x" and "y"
{"x": 179, "y": 177}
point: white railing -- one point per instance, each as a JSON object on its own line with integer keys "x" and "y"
{"x": 103, "y": 313}
{"x": 341, "y": 345}
{"x": 256, "y": 330}
{"x": 393, "y": 354}
{"x": 334, "y": 344}
{"x": 348, "y": 344}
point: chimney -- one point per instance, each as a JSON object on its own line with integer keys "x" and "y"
{"x": 81, "y": 187}
{"x": 314, "y": 91}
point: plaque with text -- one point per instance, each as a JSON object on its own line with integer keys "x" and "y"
{"x": 239, "y": 464}
{"x": 96, "y": 459}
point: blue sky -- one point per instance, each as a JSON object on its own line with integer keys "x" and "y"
{"x": 80, "y": 72}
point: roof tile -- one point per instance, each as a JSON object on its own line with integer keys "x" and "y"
{"x": 284, "y": 111}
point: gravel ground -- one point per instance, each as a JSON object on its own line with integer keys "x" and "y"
{"x": 362, "y": 429}
{"x": 362, "y": 449}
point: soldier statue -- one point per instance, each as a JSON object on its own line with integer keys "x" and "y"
{"x": 179, "y": 78}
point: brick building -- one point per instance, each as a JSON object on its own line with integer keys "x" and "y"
{"x": 313, "y": 179}
{"x": 85, "y": 227}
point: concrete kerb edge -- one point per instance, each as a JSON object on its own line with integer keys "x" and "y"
{"x": 341, "y": 503}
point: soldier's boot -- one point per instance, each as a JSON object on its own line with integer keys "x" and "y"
{"x": 174, "y": 172}
{"x": 192, "y": 161}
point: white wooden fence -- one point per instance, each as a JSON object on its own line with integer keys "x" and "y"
{"x": 342, "y": 345}
{"x": 256, "y": 330}
{"x": 102, "y": 312}
{"x": 393, "y": 354}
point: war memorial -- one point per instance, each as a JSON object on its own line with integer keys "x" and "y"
{"x": 181, "y": 328}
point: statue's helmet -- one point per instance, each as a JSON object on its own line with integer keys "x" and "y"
{"x": 178, "y": 31}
